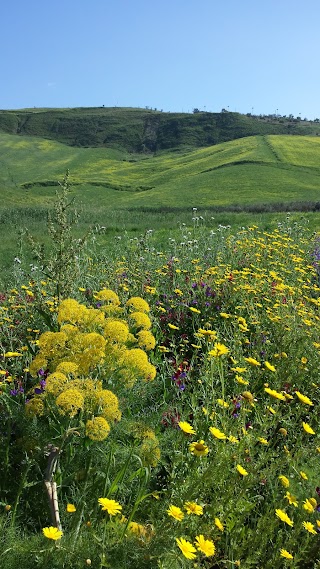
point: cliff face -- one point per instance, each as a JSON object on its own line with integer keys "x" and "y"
{"x": 138, "y": 130}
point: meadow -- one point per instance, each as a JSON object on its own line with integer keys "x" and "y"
{"x": 159, "y": 395}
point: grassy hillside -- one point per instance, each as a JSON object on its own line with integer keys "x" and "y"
{"x": 141, "y": 130}
{"x": 248, "y": 171}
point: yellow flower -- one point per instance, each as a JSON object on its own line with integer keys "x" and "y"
{"x": 291, "y": 499}
{"x": 173, "y": 327}
{"x": 71, "y": 508}
{"x": 175, "y": 513}
{"x": 206, "y": 546}
{"x": 218, "y": 350}
{"x": 247, "y": 395}
{"x": 269, "y": 366}
{"x": 217, "y": 433}
{"x": 263, "y": 441}
{"x": 111, "y": 506}
{"x": 284, "y": 517}
{"x": 308, "y": 429}
{"x": 309, "y": 505}
{"x": 241, "y": 470}
{"x": 186, "y": 548}
{"x": 97, "y": 429}
{"x": 303, "y": 398}
{"x": 199, "y": 448}
{"x": 252, "y": 361}
{"x": 186, "y": 428}
{"x": 309, "y": 527}
{"x": 193, "y": 508}
{"x": 275, "y": 394}
{"x": 52, "y": 533}
{"x": 195, "y": 310}
{"x": 303, "y": 475}
{"x": 284, "y": 553}
{"x": 218, "y": 524}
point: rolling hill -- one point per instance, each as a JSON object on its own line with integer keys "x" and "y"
{"x": 262, "y": 169}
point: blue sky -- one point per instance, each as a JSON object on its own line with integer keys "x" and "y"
{"x": 175, "y": 55}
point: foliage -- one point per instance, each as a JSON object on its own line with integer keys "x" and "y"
{"x": 215, "y": 459}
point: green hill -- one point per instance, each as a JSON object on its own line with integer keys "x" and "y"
{"x": 245, "y": 172}
{"x": 141, "y": 130}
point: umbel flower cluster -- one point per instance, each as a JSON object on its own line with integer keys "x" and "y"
{"x": 110, "y": 342}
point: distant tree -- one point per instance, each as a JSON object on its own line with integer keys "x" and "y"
{"x": 316, "y": 120}
{"x": 196, "y": 111}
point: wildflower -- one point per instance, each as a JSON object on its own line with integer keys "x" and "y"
{"x": 223, "y": 403}
{"x": 291, "y": 499}
{"x": 247, "y": 395}
{"x": 193, "y": 508}
{"x": 309, "y": 527}
{"x": 186, "y": 548}
{"x": 275, "y": 394}
{"x": 186, "y": 428}
{"x": 218, "y": 350}
{"x": 52, "y": 533}
{"x": 206, "y": 546}
{"x": 241, "y": 470}
{"x": 70, "y": 402}
{"x": 111, "y": 506}
{"x": 304, "y": 360}
{"x": 199, "y": 448}
{"x": 308, "y": 429}
{"x": 233, "y": 439}
{"x": 303, "y": 475}
{"x": 252, "y": 361}
{"x": 217, "y": 433}
{"x": 283, "y": 431}
{"x": 195, "y": 310}
{"x": 97, "y": 429}
{"x": 263, "y": 441}
{"x": 173, "y": 327}
{"x": 309, "y": 505}
{"x": 138, "y": 303}
{"x": 71, "y": 508}
{"x": 281, "y": 514}
{"x": 218, "y": 524}
{"x": 303, "y": 398}
{"x": 175, "y": 513}
{"x": 284, "y": 553}
{"x": 269, "y": 366}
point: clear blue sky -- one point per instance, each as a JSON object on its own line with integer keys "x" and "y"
{"x": 171, "y": 54}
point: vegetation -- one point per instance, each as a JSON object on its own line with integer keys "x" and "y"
{"x": 160, "y": 409}
{"x": 145, "y": 130}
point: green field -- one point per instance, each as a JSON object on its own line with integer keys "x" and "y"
{"x": 249, "y": 171}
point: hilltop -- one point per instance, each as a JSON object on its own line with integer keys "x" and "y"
{"x": 145, "y": 130}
